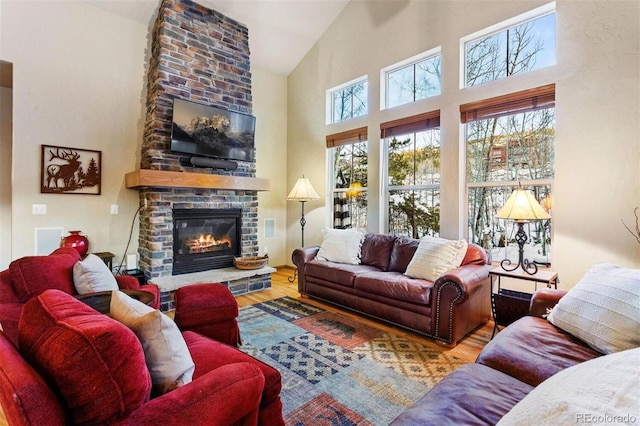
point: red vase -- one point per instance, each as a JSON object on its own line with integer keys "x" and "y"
{"x": 76, "y": 241}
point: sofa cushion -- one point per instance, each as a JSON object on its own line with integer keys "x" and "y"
{"x": 602, "y": 308}
{"x": 91, "y": 275}
{"x": 165, "y": 350}
{"x": 402, "y": 253}
{"x": 31, "y": 275}
{"x": 435, "y": 256}
{"x": 395, "y": 285}
{"x": 9, "y": 316}
{"x": 532, "y": 350}
{"x": 341, "y": 245}
{"x": 96, "y": 364}
{"x": 339, "y": 273}
{"x": 597, "y": 391}
{"x": 472, "y": 395}
{"x": 376, "y": 250}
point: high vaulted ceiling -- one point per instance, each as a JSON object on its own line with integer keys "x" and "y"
{"x": 281, "y": 32}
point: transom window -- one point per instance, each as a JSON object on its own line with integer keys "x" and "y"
{"x": 347, "y": 101}
{"x": 513, "y": 49}
{"x": 411, "y": 80}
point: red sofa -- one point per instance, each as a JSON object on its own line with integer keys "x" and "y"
{"x": 445, "y": 310}
{"x": 228, "y": 387}
{"x": 29, "y": 276}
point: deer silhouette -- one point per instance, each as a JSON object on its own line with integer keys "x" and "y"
{"x": 62, "y": 171}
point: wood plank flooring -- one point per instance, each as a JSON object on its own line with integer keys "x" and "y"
{"x": 468, "y": 349}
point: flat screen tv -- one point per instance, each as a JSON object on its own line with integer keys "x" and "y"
{"x": 203, "y": 130}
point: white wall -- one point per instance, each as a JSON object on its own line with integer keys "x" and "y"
{"x": 79, "y": 81}
{"x": 269, "y": 92}
{"x": 598, "y": 114}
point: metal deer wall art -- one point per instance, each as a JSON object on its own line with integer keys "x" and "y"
{"x": 70, "y": 170}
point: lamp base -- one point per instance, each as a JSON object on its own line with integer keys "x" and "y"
{"x": 529, "y": 267}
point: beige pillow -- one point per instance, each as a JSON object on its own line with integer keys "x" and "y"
{"x": 91, "y": 275}
{"x": 435, "y": 256}
{"x": 603, "y": 308}
{"x": 165, "y": 350}
{"x": 603, "y": 390}
{"x": 341, "y": 245}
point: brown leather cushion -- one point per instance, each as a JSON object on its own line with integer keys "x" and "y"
{"x": 472, "y": 395}
{"x": 339, "y": 273}
{"x": 396, "y": 286}
{"x": 532, "y": 350}
{"x": 376, "y": 250}
{"x": 403, "y": 250}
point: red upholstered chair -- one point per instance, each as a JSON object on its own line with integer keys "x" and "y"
{"x": 208, "y": 309}
{"x": 29, "y": 276}
{"x": 77, "y": 366}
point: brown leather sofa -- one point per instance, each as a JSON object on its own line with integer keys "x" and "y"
{"x": 517, "y": 360}
{"x": 445, "y": 310}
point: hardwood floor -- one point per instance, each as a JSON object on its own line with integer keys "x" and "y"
{"x": 468, "y": 349}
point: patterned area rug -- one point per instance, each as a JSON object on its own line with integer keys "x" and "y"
{"x": 336, "y": 370}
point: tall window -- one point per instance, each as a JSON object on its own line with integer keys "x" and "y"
{"x": 413, "y": 174}
{"x": 412, "y": 80}
{"x": 519, "y": 48}
{"x": 347, "y": 101}
{"x": 348, "y": 151}
{"x": 510, "y": 139}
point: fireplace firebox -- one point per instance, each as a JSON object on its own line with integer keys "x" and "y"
{"x": 205, "y": 239}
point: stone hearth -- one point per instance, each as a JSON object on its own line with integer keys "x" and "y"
{"x": 199, "y": 55}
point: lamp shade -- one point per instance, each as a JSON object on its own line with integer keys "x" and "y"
{"x": 303, "y": 191}
{"x": 522, "y": 206}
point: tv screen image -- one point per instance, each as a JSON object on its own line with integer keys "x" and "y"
{"x": 203, "y": 130}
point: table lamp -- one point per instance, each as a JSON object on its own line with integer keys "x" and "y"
{"x": 521, "y": 207}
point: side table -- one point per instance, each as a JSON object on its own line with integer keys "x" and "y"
{"x": 101, "y": 300}
{"x": 507, "y": 305}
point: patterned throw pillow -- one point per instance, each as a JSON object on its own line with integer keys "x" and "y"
{"x": 435, "y": 256}
{"x": 603, "y": 308}
{"x": 341, "y": 245}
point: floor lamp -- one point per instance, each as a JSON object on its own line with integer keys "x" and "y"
{"x": 302, "y": 191}
{"x": 521, "y": 207}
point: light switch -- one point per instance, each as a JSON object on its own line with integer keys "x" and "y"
{"x": 39, "y": 209}
{"x": 114, "y": 209}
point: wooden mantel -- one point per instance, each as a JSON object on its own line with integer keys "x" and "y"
{"x": 165, "y": 179}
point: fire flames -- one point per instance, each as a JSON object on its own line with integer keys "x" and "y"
{"x": 205, "y": 243}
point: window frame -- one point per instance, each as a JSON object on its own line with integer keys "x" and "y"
{"x": 542, "y": 11}
{"x": 384, "y": 81}
{"x": 329, "y": 112}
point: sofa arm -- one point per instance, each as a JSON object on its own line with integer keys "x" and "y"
{"x": 460, "y": 302}
{"x": 227, "y": 395}
{"x": 543, "y": 299}
{"x": 300, "y": 257}
{"x": 127, "y": 282}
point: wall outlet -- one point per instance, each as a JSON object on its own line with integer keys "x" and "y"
{"x": 39, "y": 209}
{"x": 114, "y": 209}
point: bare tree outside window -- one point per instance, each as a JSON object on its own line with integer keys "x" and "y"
{"x": 349, "y": 102}
{"x": 413, "y": 82}
{"x": 509, "y": 148}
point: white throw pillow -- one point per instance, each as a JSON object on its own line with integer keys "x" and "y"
{"x": 341, "y": 245}
{"x": 435, "y": 256}
{"x": 603, "y": 308}
{"x": 165, "y": 350}
{"x": 91, "y": 275}
{"x": 603, "y": 390}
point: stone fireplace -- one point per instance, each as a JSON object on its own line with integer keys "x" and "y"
{"x": 199, "y": 55}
